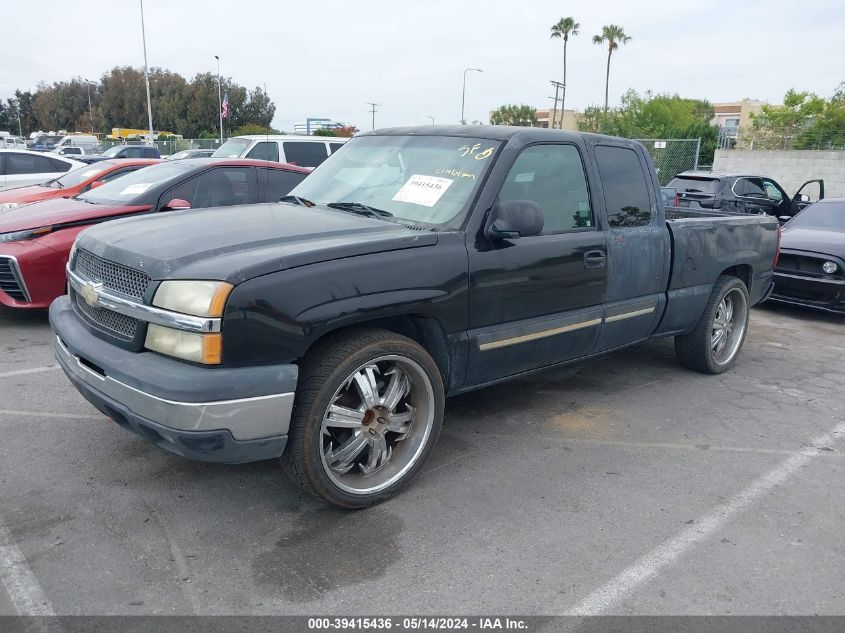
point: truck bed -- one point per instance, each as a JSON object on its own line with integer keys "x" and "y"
{"x": 705, "y": 244}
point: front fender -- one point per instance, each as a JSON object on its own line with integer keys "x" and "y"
{"x": 279, "y": 316}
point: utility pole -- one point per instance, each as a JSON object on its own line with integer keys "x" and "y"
{"x": 219, "y": 98}
{"x": 558, "y": 86}
{"x": 146, "y": 73}
{"x": 373, "y": 111}
{"x": 554, "y": 107}
{"x": 431, "y": 117}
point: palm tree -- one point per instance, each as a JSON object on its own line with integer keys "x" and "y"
{"x": 614, "y": 36}
{"x": 563, "y": 29}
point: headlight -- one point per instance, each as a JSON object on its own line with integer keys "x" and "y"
{"x": 29, "y": 234}
{"x": 198, "y": 298}
{"x": 199, "y": 348}
{"x": 8, "y": 206}
{"x": 829, "y": 267}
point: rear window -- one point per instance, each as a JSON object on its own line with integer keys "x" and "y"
{"x": 625, "y": 187}
{"x": 695, "y": 185}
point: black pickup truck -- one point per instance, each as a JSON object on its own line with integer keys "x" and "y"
{"x": 413, "y": 264}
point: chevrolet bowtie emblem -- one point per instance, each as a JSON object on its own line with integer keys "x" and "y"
{"x": 90, "y": 291}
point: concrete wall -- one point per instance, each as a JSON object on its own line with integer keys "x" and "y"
{"x": 789, "y": 168}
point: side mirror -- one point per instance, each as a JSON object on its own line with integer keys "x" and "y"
{"x": 804, "y": 197}
{"x": 176, "y": 204}
{"x": 97, "y": 183}
{"x": 513, "y": 219}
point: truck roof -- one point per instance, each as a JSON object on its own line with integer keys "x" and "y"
{"x": 491, "y": 132}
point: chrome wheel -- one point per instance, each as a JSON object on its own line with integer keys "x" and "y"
{"x": 729, "y": 324}
{"x": 377, "y": 424}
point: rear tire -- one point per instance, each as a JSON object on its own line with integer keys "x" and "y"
{"x": 714, "y": 345}
{"x": 368, "y": 410}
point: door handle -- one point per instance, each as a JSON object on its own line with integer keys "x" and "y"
{"x": 594, "y": 259}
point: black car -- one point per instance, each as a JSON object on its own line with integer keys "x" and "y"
{"x": 126, "y": 151}
{"x": 811, "y": 268}
{"x": 740, "y": 193}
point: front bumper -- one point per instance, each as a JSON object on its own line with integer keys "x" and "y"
{"x": 227, "y": 415}
{"x": 820, "y": 293}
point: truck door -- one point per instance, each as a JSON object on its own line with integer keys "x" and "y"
{"x": 537, "y": 300}
{"x": 637, "y": 247}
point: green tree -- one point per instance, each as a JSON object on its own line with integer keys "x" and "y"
{"x": 828, "y": 128}
{"x": 613, "y": 36}
{"x": 563, "y": 29}
{"x": 324, "y": 132}
{"x": 522, "y": 115}
{"x": 781, "y": 126}
{"x": 251, "y": 128}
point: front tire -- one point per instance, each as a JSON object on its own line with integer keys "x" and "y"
{"x": 713, "y": 346}
{"x": 368, "y": 410}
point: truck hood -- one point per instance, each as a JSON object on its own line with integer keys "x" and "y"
{"x": 238, "y": 243}
{"x": 58, "y": 211}
{"x": 827, "y": 241}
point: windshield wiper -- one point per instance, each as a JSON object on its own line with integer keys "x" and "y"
{"x": 361, "y": 209}
{"x": 303, "y": 202}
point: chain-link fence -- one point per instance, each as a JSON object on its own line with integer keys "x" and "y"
{"x": 172, "y": 146}
{"x": 671, "y": 156}
{"x": 813, "y": 138}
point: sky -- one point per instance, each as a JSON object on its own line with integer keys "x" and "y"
{"x": 329, "y": 58}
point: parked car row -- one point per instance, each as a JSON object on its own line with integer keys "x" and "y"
{"x": 38, "y": 224}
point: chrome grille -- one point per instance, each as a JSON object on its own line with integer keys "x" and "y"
{"x": 114, "y": 322}
{"x": 116, "y": 277}
{"x": 10, "y": 280}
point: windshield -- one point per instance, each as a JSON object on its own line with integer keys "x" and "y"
{"x": 113, "y": 151}
{"x": 77, "y": 176}
{"x": 233, "y": 148}
{"x": 821, "y": 215}
{"x": 126, "y": 189}
{"x": 420, "y": 179}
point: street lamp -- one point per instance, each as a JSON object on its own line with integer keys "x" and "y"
{"x": 464, "y": 92}
{"x": 146, "y": 74}
{"x": 431, "y": 117}
{"x": 219, "y": 98}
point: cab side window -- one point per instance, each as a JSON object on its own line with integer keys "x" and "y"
{"x": 772, "y": 192}
{"x": 220, "y": 187}
{"x": 305, "y": 154}
{"x": 625, "y": 187}
{"x": 265, "y": 150}
{"x": 552, "y": 177}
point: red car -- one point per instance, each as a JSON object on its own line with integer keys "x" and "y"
{"x": 72, "y": 183}
{"x": 35, "y": 239}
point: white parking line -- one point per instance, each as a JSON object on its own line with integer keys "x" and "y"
{"x": 27, "y": 596}
{"x": 51, "y": 414}
{"x": 34, "y": 370}
{"x": 646, "y": 568}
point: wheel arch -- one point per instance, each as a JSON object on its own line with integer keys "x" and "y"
{"x": 427, "y": 331}
{"x": 743, "y": 272}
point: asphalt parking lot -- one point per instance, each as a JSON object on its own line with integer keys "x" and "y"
{"x": 626, "y": 485}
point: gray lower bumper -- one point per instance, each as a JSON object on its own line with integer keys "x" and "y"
{"x": 175, "y": 399}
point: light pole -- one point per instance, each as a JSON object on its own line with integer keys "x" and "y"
{"x": 146, "y": 73}
{"x": 90, "y": 112}
{"x": 464, "y": 92}
{"x": 219, "y": 98}
{"x": 431, "y": 117}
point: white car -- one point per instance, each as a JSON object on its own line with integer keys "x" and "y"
{"x": 20, "y": 167}
{"x": 304, "y": 151}
{"x": 12, "y": 142}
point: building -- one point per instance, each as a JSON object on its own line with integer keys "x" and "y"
{"x": 571, "y": 118}
{"x": 734, "y": 119}
{"x": 312, "y": 124}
